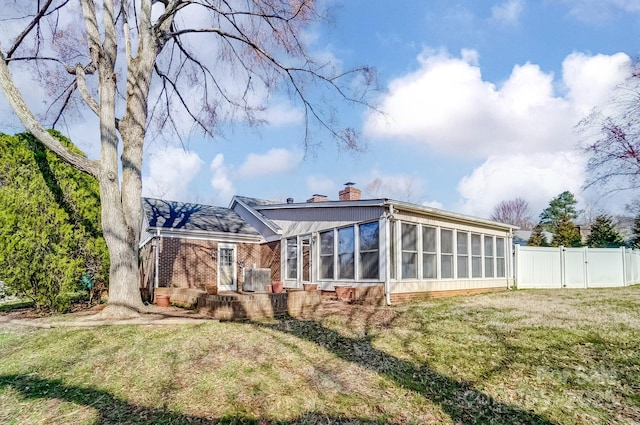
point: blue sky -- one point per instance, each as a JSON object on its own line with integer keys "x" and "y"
{"x": 481, "y": 101}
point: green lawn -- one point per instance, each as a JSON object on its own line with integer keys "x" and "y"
{"x": 564, "y": 356}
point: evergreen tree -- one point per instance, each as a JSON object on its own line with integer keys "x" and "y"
{"x": 561, "y": 208}
{"x": 537, "y": 237}
{"x": 634, "y": 242}
{"x": 49, "y": 224}
{"x": 604, "y": 233}
{"x": 566, "y": 234}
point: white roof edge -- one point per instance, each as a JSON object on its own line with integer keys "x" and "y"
{"x": 206, "y": 234}
{"x": 327, "y": 204}
{"x": 449, "y": 214}
{"x": 271, "y": 225}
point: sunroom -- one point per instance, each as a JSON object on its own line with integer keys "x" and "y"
{"x": 408, "y": 249}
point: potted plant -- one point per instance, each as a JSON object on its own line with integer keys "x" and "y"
{"x": 310, "y": 286}
{"x": 163, "y": 300}
{"x": 343, "y": 292}
{"x": 277, "y": 287}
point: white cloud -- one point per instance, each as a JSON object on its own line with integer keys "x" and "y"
{"x": 221, "y": 180}
{"x": 507, "y": 13}
{"x": 275, "y": 161}
{"x": 590, "y": 79}
{"x": 170, "y": 172}
{"x": 525, "y": 126}
{"x": 593, "y": 11}
{"x": 536, "y": 178}
{"x": 447, "y": 106}
{"x": 322, "y": 185}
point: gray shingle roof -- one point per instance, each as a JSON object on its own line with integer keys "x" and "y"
{"x": 255, "y": 202}
{"x": 194, "y": 217}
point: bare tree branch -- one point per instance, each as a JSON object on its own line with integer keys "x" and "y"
{"x": 33, "y": 125}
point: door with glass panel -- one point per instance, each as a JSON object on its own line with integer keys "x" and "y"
{"x": 306, "y": 259}
{"x": 226, "y": 268}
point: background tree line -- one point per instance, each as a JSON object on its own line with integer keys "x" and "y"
{"x": 557, "y": 224}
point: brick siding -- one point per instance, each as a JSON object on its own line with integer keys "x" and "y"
{"x": 188, "y": 263}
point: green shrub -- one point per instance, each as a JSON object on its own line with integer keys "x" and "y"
{"x": 49, "y": 224}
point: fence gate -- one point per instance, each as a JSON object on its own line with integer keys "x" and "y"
{"x": 543, "y": 267}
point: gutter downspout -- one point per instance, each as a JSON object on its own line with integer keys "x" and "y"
{"x": 156, "y": 277}
{"x": 387, "y": 254}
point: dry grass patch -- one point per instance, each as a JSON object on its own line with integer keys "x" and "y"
{"x": 539, "y": 357}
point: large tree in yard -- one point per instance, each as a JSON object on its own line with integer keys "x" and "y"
{"x": 146, "y": 65}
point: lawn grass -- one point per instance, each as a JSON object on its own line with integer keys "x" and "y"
{"x": 563, "y": 356}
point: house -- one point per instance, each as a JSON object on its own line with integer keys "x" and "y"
{"x": 402, "y": 249}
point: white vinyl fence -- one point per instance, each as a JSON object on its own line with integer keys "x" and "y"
{"x": 538, "y": 267}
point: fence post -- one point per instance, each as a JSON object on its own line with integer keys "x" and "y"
{"x": 586, "y": 266}
{"x": 624, "y": 266}
{"x": 563, "y": 278}
{"x": 516, "y": 265}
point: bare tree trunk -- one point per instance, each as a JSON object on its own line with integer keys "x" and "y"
{"x": 124, "y": 294}
{"x": 120, "y": 218}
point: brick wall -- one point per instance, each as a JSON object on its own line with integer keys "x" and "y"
{"x": 187, "y": 263}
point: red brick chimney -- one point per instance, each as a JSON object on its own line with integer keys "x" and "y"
{"x": 350, "y": 193}
{"x": 318, "y": 198}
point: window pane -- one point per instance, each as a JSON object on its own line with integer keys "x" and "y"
{"x": 326, "y": 255}
{"x": 369, "y": 243}
{"x": 500, "y": 261}
{"x": 409, "y": 237}
{"x": 392, "y": 250}
{"x": 409, "y": 265}
{"x": 292, "y": 259}
{"x": 488, "y": 267}
{"x": 428, "y": 239}
{"x": 488, "y": 257}
{"x": 463, "y": 242}
{"x": 476, "y": 266}
{"x": 476, "y": 245}
{"x": 499, "y": 247}
{"x": 369, "y": 265}
{"x": 369, "y": 236}
{"x": 500, "y": 267}
{"x": 488, "y": 246}
{"x": 463, "y": 266}
{"x": 447, "y": 266}
{"x": 446, "y": 241}
{"x": 326, "y": 267}
{"x": 326, "y": 243}
{"x": 429, "y": 266}
{"x": 345, "y": 253}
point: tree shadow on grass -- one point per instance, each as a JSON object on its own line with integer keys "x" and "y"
{"x": 111, "y": 410}
{"x": 458, "y": 399}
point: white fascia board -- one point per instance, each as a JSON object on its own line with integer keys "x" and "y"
{"x": 145, "y": 241}
{"x": 328, "y": 204}
{"x": 203, "y": 235}
{"x": 270, "y": 224}
{"x": 405, "y": 206}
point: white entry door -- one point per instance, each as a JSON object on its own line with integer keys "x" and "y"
{"x": 226, "y": 268}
